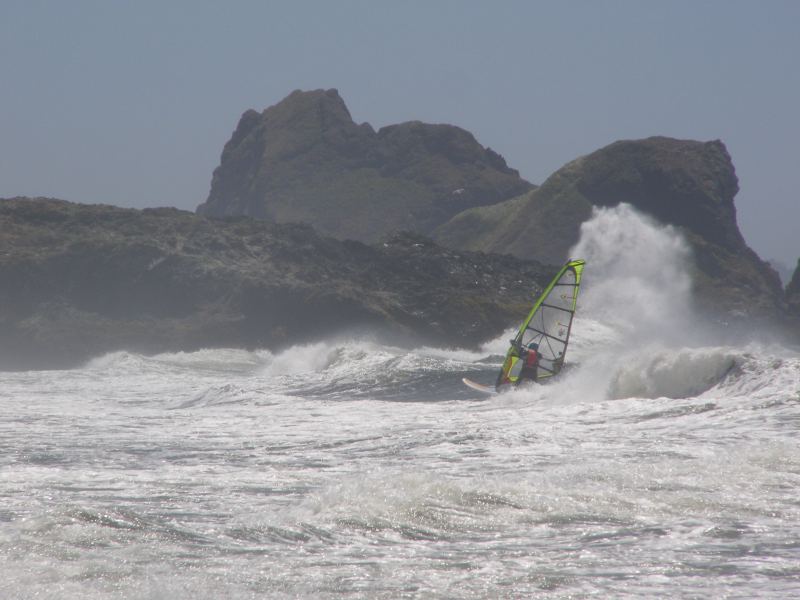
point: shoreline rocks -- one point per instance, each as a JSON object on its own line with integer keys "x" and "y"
{"x": 81, "y": 280}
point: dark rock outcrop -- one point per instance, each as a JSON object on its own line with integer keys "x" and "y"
{"x": 305, "y": 160}
{"x": 793, "y": 293}
{"x": 81, "y": 280}
{"x": 688, "y": 184}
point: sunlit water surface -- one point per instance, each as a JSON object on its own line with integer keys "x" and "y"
{"x": 660, "y": 464}
{"x": 350, "y": 469}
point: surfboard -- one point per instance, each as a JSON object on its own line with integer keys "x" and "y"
{"x": 479, "y": 386}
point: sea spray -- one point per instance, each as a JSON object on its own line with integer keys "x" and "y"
{"x": 635, "y": 303}
{"x": 301, "y": 359}
{"x": 637, "y": 275}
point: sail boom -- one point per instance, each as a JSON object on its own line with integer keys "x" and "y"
{"x": 547, "y": 335}
{"x": 557, "y": 308}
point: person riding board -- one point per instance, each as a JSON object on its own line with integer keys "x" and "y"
{"x": 529, "y": 357}
{"x": 530, "y": 364}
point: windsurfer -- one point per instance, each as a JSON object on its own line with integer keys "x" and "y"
{"x": 549, "y": 323}
{"x": 530, "y": 364}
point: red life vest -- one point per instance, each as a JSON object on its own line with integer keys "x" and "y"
{"x": 531, "y": 358}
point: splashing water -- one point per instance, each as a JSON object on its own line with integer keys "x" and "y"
{"x": 348, "y": 469}
{"x": 637, "y": 275}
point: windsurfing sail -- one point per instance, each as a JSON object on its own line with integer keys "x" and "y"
{"x": 548, "y": 324}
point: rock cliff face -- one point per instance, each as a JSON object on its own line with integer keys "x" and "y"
{"x": 688, "y": 184}
{"x": 305, "y": 160}
{"x": 793, "y": 293}
{"x": 81, "y": 280}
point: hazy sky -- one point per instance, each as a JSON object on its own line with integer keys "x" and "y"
{"x": 130, "y": 103}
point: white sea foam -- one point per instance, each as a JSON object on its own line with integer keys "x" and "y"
{"x": 656, "y": 372}
{"x": 655, "y": 465}
{"x": 636, "y": 277}
{"x": 266, "y": 480}
{"x": 300, "y": 359}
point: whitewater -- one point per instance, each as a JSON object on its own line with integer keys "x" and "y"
{"x": 663, "y": 462}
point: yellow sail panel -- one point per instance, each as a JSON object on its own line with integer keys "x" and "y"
{"x": 548, "y": 324}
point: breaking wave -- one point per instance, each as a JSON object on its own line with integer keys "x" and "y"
{"x": 672, "y": 374}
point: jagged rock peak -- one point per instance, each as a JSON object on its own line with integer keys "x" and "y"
{"x": 327, "y": 105}
{"x": 305, "y": 160}
{"x": 451, "y": 141}
{"x": 687, "y": 183}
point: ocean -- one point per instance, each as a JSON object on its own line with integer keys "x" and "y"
{"x": 662, "y": 463}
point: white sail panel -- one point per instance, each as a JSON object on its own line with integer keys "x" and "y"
{"x": 548, "y": 325}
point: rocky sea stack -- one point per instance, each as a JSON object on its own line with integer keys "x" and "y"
{"x": 306, "y": 160}
{"x": 688, "y": 184}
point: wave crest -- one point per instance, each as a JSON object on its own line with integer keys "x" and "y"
{"x": 672, "y": 374}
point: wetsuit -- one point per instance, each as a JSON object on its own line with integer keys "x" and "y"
{"x": 529, "y": 371}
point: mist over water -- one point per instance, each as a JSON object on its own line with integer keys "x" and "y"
{"x": 657, "y": 465}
